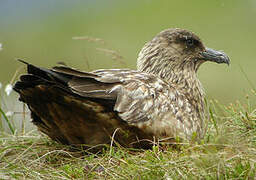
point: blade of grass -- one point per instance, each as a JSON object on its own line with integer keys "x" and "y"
{"x": 246, "y": 77}
{"x": 213, "y": 118}
{"x": 7, "y": 120}
{"x": 1, "y": 122}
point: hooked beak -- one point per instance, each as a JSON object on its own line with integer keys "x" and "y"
{"x": 215, "y": 56}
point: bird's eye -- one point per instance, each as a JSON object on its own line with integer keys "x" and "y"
{"x": 189, "y": 42}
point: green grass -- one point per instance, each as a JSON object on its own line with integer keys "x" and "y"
{"x": 228, "y": 151}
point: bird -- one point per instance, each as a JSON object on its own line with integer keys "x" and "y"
{"x": 161, "y": 101}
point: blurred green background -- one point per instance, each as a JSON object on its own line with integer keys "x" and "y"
{"x": 41, "y": 33}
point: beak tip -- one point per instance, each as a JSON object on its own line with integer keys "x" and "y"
{"x": 226, "y": 59}
{"x": 216, "y": 56}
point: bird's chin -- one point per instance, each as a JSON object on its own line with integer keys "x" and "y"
{"x": 198, "y": 63}
{"x": 214, "y": 56}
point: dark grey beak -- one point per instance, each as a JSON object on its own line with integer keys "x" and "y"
{"x": 215, "y": 56}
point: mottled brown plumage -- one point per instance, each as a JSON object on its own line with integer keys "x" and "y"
{"x": 162, "y": 99}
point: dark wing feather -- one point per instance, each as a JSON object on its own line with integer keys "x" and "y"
{"x": 72, "y": 72}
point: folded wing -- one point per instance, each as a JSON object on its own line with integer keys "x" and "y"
{"x": 91, "y": 103}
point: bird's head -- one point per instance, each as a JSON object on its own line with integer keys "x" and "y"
{"x": 176, "y": 51}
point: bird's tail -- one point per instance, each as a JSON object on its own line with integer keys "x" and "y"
{"x": 62, "y": 115}
{"x": 37, "y": 75}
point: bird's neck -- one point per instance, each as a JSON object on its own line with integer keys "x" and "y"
{"x": 187, "y": 82}
{"x": 183, "y": 78}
